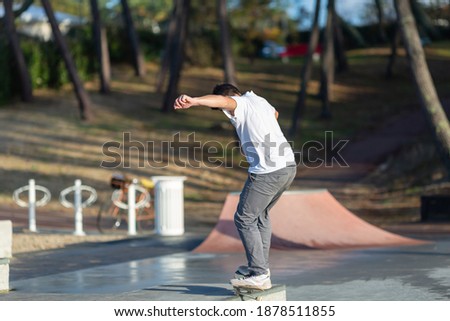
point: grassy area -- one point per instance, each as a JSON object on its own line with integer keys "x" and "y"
{"x": 46, "y": 140}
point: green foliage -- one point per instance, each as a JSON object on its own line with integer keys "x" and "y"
{"x": 119, "y": 46}
{"x": 202, "y": 46}
{"x": 204, "y": 49}
{"x": 82, "y": 47}
{"x": 45, "y": 63}
{"x": 34, "y": 56}
{"x": 151, "y": 44}
{"x": 146, "y": 14}
{"x": 254, "y": 21}
{"x": 76, "y": 8}
{"x": 119, "y": 50}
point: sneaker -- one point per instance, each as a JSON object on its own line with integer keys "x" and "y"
{"x": 243, "y": 272}
{"x": 257, "y": 282}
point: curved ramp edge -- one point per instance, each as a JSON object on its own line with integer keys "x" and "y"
{"x": 301, "y": 220}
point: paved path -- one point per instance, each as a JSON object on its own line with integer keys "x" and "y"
{"x": 396, "y": 273}
{"x": 88, "y": 255}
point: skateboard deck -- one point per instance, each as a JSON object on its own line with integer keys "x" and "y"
{"x": 276, "y": 293}
{"x": 248, "y": 293}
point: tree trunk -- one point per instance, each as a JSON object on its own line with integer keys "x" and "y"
{"x": 424, "y": 21}
{"x": 176, "y": 63}
{"x": 306, "y": 73}
{"x": 16, "y": 13}
{"x": 25, "y": 79}
{"x": 101, "y": 47}
{"x": 225, "y": 42}
{"x": 138, "y": 59}
{"x": 341, "y": 56}
{"x": 393, "y": 57}
{"x": 327, "y": 67}
{"x": 380, "y": 15}
{"x": 170, "y": 39}
{"x": 83, "y": 99}
{"x": 436, "y": 116}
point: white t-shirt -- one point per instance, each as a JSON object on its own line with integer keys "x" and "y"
{"x": 262, "y": 140}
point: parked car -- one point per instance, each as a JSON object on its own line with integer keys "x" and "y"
{"x": 299, "y": 50}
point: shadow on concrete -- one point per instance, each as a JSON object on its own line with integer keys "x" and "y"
{"x": 193, "y": 289}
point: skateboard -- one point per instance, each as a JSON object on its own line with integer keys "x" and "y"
{"x": 244, "y": 292}
{"x": 248, "y": 293}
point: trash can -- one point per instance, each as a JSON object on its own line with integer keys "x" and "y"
{"x": 169, "y": 205}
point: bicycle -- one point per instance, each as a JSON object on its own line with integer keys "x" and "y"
{"x": 113, "y": 214}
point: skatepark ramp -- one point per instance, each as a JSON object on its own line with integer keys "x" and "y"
{"x": 303, "y": 219}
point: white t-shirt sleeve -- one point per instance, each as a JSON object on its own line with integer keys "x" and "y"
{"x": 241, "y": 107}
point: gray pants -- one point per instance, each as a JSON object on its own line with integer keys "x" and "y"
{"x": 260, "y": 193}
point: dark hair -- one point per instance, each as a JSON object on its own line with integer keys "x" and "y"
{"x": 226, "y": 90}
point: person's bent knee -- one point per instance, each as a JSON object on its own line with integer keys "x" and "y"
{"x": 244, "y": 222}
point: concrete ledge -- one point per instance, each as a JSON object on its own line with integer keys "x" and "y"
{"x": 5, "y": 254}
{"x": 276, "y": 293}
{"x": 5, "y": 239}
{"x": 4, "y": 278}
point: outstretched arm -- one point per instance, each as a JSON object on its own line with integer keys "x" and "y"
{"x": 212, "y": 101}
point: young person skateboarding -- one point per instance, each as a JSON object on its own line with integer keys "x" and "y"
{"x": 272, "y": 169}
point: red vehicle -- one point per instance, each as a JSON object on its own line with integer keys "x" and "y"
{"x": 298, "y": 50}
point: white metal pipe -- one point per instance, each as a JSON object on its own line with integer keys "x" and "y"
{"x": 78, "y": 209}
{"x": 132, "y": 208}
{"x": 32, "y": 206}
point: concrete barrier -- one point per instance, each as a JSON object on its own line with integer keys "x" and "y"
{"x": 5, "y": 253}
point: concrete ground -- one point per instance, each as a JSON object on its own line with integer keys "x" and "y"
{"x": 159, "y": 268}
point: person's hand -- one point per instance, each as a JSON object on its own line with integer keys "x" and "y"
{"x": 184, "y": 102}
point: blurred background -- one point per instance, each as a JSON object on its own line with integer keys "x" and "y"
{"x": 76, "y": 74}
